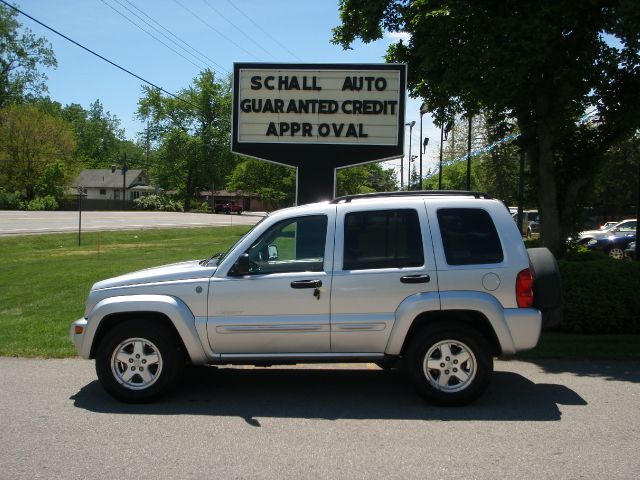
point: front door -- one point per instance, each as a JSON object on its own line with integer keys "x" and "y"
{"x": 278, "y": 299}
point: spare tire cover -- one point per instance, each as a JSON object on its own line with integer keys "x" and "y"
{"x": 547, "y": 287}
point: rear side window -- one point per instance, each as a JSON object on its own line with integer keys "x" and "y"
{"x": 469, "y": 236}
{"x": 382, "y": 239}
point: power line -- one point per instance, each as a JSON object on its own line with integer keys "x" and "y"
{"x": 199, "y": 67}
{"x": 97, "y": 54}
{"x": 240, "y": 30}
{"x": 265, "y": 32}
{"x": 214, "y": 29}
{"x": 202, "y": 55}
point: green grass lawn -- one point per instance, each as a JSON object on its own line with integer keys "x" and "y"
{"x": 44, "y": 281}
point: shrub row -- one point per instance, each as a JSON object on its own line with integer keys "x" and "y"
{"x": 601, "y": 295}
{"x": 158, "y": 203}
{"x": 12, "y": 201}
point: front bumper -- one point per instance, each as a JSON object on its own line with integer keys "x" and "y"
{"x": 77, "y": 333}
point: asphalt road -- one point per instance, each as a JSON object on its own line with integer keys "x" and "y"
{"x": 22, "y": 223}
{"x": 552, "y": 420}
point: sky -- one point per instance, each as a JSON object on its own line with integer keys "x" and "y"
{"x": 195, "y": 34}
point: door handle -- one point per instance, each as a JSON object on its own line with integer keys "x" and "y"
{"x": 306, "y": 284}
{"x": 415, "y": 279}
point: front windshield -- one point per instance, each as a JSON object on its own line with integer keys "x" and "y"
{"x": 217, "y": 258}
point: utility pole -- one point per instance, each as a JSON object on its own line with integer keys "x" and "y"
{"x": 148, "y": 146}
{"x": 469, "y": 155}
{"x": 124, "y": 182}
{"x": 423, "y": 146}
{"x": 124, "y": 178}
{"x": 440, "y": 168}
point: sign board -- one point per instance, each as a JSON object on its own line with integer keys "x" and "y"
{"x": 331, "y": 113}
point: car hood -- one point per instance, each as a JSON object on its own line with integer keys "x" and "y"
{"x": 173, "y": 272}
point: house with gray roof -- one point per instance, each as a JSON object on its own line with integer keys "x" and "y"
{"x": 109, "y": 184}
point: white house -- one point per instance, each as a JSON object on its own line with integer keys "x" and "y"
{"x": 105, "y": 184}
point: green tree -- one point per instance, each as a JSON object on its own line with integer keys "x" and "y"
{"x": 367, "y": 178}
{"x": 100, "y": 140}
{"x": 21, "y": 53}
{"x": 203, "y": 113}
{"x": 542, "y": 63}
{"x": 274, "y": 184}
{"x": 616, "y": 187}
{"x": 98, "y": 134}
{"x": 36, "y": 151}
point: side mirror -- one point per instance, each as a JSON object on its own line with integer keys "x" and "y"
{"x": 242, "y": 266}
{"x": 273, "y": 252}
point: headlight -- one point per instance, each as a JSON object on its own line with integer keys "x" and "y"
{"x": 592, "y": 242}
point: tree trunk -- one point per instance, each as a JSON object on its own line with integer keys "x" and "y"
{"x": 189, "y": 190}
{"x": 550, "y": 227}
{"x": 538, "y": 143}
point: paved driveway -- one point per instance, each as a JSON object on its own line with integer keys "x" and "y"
{"x": 20, "y": 223}
{"x": 552, "y": 420}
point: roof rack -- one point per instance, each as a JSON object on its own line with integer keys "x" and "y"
{"x": 413, "y": 193}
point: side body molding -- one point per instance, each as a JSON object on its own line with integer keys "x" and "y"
{"x": 173, "y": 308}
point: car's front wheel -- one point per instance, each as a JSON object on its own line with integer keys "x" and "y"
{"x": 450, "y": 364}
{"x": 616, "y": 253}
{"x": 138, "y": 361}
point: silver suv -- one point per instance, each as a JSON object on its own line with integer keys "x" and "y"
{"x": 439, "y": 283}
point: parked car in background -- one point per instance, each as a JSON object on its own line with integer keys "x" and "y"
{"x": 608, "y": 225}
{"x": 613, "y": 245}
{"x": 623, "y": 228}
{"x": 530, "y": 223}
{"x": 630, "y": 251}
{"x": 228, "y": 208}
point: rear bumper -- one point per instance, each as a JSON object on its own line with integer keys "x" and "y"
{"x": 525, "y": 325}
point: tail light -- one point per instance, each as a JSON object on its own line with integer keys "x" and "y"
{"x": 524, "y": 289}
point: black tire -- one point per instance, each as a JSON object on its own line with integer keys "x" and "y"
{"x": 472, "y": 371}
{"x": 151, "y": 349}
{"x": 547, "y": 286}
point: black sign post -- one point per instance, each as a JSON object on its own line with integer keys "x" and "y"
{"x": 318, "y": 118}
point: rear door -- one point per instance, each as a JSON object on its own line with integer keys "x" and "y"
{"x": 383, "y": 255}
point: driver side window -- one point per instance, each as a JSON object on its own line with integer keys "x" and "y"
{"x": 293, "y": 245}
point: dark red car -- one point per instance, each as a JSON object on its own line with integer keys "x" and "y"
{"x": 228, "y": 208}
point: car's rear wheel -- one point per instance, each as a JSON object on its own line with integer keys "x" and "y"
{"x": 616, "y": 253}
{"x": 138, "y": 361}
{"x": 450, "y": 364}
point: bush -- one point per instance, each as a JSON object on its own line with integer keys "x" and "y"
{"x": 9, "y": 201}
{"x": 600, "y": 294}
{"x": 157, "y": 203}
{"x": 148, "y": 202}
{"x": 43, "y": 203}
{"x": 203, "y": 207}
{"x": 173, "y": 206}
